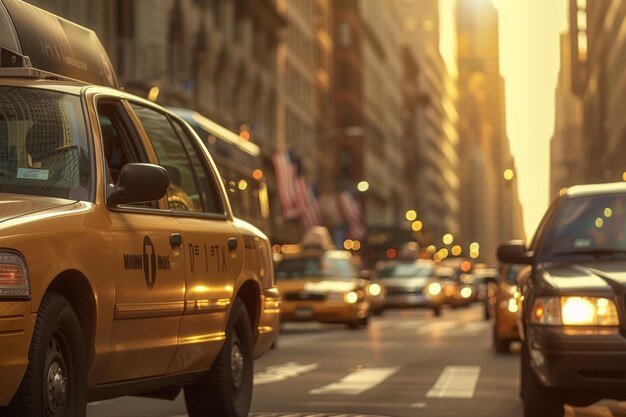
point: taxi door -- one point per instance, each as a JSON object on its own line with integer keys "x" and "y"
{"x": 213, "y": 248}
{"x": 149, "y": 280}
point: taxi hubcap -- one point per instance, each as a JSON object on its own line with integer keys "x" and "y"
{"x": 236, "y": 365}
{"x": 56, "y": 381}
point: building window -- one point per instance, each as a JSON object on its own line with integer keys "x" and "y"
{"x": 345, "y": 164}
{"x": 345, "y": 36}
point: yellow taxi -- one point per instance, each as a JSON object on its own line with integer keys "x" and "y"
{"x": 322, "y": 284}
{"x": 122, "y": 268}
{"x": 504, "y": 302}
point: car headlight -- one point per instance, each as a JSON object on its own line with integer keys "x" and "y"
{"x": 374, "y": 289}
{"x": 14, "y": 281}
{"x": 351, "y": 297}
{"x": 466, "y": 292}
{"x": 575, "y": 311}
{"x": 434, "y": 288}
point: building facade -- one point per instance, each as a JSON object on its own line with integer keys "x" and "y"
{"x": 567, "y": 162}
{"x": 598, "y": 58}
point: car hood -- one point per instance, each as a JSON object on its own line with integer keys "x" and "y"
{"x": 16, "y": 205}
{"x": 316, "y": 286}
{"x": 592, "y": 276}
{"x": 417, "y": 282}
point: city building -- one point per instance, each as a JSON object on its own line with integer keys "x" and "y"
{"x": 490, "y": 209}
{"x": 598, "y": 58}
{"x": 431, "y": 132}
{"x": 567, "y": 161}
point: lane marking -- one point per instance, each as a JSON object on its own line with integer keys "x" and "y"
{"x": 407, "y": 325}
{"x": 476, "y": 326}
{"x": 456, "y": 382}
{"x": 357, "y": 382}
{"x": 438, "y": 326}
{"x": 280, "y": 372}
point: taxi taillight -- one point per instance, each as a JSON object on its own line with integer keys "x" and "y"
{"x": 11, "y": 275}
{"x": 14, "y": 281}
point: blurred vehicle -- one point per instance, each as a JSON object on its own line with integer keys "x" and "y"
{"x": 572, "y": 318}
{"x": 456, "y": 292}
{"x": 410, "y": 284}
{"x": 505, "y": 308}
{"x": 123, "y": 270}
{"x": 375, "y": 291}
{"x": 484, "y": 280}
{"x": 240, "y": 165}
{"x": 322, "y": 284}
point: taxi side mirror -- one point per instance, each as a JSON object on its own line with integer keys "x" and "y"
{"x": 140, "y": 183}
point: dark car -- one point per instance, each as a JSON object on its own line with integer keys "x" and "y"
{"x": 455, "y": 288}
{"x": 573, "y": 315}
{"x": 484, "y": 282}
{"x": 410, "y": 284}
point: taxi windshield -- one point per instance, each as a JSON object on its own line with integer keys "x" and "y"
{"x": 43, "y": 144}
{"x": 334, "y": 268}
{"x": 590, "y": 225}
{"x": 405, "y": 270}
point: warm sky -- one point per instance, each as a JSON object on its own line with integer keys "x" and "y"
{"x": 529, "y": 62}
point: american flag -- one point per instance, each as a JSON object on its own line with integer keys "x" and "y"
{"x": 352, "y": 213}
{"x": 285, "y": 175}
{"x": 309, "y": 211}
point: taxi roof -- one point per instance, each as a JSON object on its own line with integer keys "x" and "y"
{"x": 37, "y": 44}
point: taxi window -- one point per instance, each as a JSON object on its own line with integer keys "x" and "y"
{"x": 120, "y": 143}
{"x": 183, "y": 194}
{"x": 44, "y": 149}
{"x": 208, "y": 186}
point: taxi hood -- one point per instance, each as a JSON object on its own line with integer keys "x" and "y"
{"x": 591, "y": 276}
{"x": 318, "y": 286}
{"x": 16, "y": 205}
{"x": 34, "y": 38}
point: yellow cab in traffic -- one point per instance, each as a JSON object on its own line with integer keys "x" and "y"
{"x": 321, "y": 283}
{"x": 122, "y": 268}
{"x": 505, "y": 305}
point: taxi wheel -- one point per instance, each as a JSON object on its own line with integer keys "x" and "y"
{"x": 226, "y": 389}
{"x": 55, "y": 381}
{"x": 539, "y": 401}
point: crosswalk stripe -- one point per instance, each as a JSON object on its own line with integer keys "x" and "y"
{"x": 357, "y": 382}
{"x": 277, "y": 373}
{"x": 456, "y": 382}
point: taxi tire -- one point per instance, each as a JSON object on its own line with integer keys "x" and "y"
{"x": 215, "y": 394}
{"x": 538, "y": 400}
{"x": 56, "y": 326}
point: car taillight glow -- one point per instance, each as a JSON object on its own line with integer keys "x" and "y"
{"x": 14, "y": 280}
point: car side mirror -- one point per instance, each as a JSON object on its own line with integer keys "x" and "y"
{"x": 140, "y": 183}
{"x": 514, "y": 252}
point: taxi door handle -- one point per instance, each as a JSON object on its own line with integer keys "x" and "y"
{"x": 176, "y": 239}
{"x": 232, "y": 243}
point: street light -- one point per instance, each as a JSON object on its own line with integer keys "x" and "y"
{"x": 363, "y": 186}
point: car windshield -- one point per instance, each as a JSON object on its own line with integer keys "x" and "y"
{"x": 322, "y": 267}
{"x": 405, "y": 270}
{"x": 43, "y": 144}
{"x": 590, "y": 225}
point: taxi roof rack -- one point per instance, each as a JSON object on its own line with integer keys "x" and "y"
{"x": 16, "y": 65}
{"x": 37, "y": 44}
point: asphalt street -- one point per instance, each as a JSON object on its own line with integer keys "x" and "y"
{"x": 406, "y": 363}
